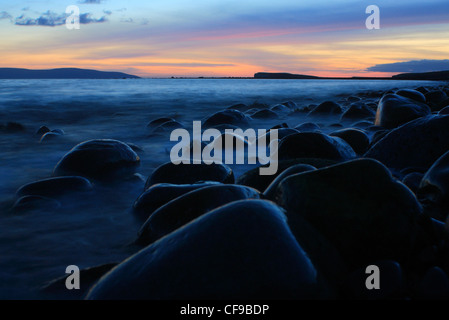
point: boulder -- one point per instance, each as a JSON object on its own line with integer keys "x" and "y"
{"x": 395, "y": 110}
{"x": 157, "y": 122}
{"x": 358, "y": 110}
{"x": 229, "y": 116}
{"x": 328, "y": 107}
{"x": 297, "y": 168}
{"x": 417, "y": 144}
{"x": 188, "y": 207}
{"x": 55, "y": 187}
{"x": 98, "y": 160}
{"x": 357, "y": 139}
{"x": 308, "y": 127}
{"x": 190, "y": 173}
{"x": 215, "y": 257}
{"x": 314, "y": 145}
{"x": 265, "y": 114}
{"x": 159, "y": 194}
{"x": 253, "y": 179}
{"x": 358, "y": 206}
{"x": 412, "y": 94}
{"x": 434, "y": 185}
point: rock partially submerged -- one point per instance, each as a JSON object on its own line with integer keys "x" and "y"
{"x": 55, "y": 187}
{"x": 229, "y": 116}
{"x": 98, "y": 160}
{"x": 327, "y": 107}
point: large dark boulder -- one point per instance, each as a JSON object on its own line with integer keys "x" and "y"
{"x": 188, "y": 207}
{"x": 357, "y": 139}
{"x": 434, "y": 185}
{"x": 190, "y": 173}
{"x": 243, "y": 250}
{"x": 159, "y": 194}
{"x": 314, "y": 145}
{"x": 252, "y": 178}
{"x": 394, "y": 111}
{"x": 417, "y": 144}
{"x": 358, "y": 206}
{"x": 229, "y": 116}
{"x": 55, "y": 187}
{"x": 327, "y": 107}
{"x": 358, "y": 110}
{"x": 98, "y": 159}
{"x": 412, "y": 94}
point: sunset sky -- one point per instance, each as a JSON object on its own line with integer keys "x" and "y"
{"x": 164, "y": 38}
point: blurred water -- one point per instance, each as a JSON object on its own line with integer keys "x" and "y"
{"x": 36, "y": 247}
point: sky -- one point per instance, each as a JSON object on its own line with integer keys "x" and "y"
{"x": 218, "y": 38}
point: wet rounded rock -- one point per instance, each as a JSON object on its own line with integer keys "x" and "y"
{"x": 265, "y": 114}
{"x": 435, "y": 99}
{"x": 42, "y": 130}
{"x": 215, "y": 257}
{"x": 444, "y": 111}
{"x": 314, "y": 145}
{"x": 434, "y": 185}
{"x": 413, "y": 180}
{"x": 327, "y": 107}
{"x": 412, "y": 94}
{"x": 98, "y": 160}
{"x": 395, "y": 110}
{"x": 358, "y": 110}
{"x": 357, "y": 139}
{"x": 281, "y": 109}
{"x": 188, "y": 207}
{"x": 32, "y": 203}
{"x": 398, "y": 149}
{"x": 358, "y": 206}
{"x": 190, "y": 173}
{"x": 252, "y": 178}
{"x": 308, "y": 127}
{"x": 159, "y": 194}
{"x": 229, "y": 116}
{"x": 297, "y": 168}
{"x": 434, "y": 285}
{"x": 55, "y": 187}
{"x": 49, "y": 136}
{"x": 157, "y": 122}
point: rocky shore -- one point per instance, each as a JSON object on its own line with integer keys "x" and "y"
{"x": 370, "y": 188}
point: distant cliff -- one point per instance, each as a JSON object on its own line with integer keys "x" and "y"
{"x": 62, "y": 73}
{"x": 281, "y": 75}
{"x": 438, "y": 75}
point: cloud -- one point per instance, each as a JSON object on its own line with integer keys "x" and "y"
{"x": 52, "y": 19}
{"x": 5, "y": 15}
{"x": 412, "y": 66}
{"x": 91, "y": 1}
